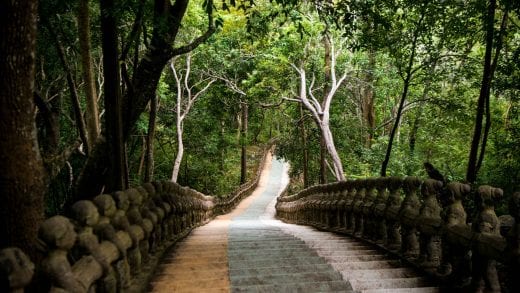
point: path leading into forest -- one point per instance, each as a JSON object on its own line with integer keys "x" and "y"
{"x": 248, "y": 250}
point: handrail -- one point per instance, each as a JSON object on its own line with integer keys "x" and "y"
{"x": 114, "y": 242}
{"x": 430, "y": 231}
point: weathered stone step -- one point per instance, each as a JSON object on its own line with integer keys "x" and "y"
{"x": 404, "y": 290}
{"x": 266, "y": 263}
{"x": 390, "y": 283}
{"x": 335, "y": 286}
{"x": 380, "y": 274}
{"x": 273, "y": 279}
{"x": 357, "y": 258}
{"x": 273, "y": 253}
{"x": 368, "y": 265}
{"x": 192, "y": 274}
{"x": 279, "y": 270}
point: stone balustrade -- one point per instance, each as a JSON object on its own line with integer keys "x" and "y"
{"x": 422, "y": 221}
{"x": 114, "y": 242}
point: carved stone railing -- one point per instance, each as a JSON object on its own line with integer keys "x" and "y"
{"x": 114, "y": 242}
{"x": 423, "y": 222}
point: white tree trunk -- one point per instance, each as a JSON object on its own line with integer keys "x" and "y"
{"x": 180, "y": 154}
{"x": 321, "y": 111}
{"x": 331, "y": 148}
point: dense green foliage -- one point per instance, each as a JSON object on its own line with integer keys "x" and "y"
{"x": 433, "y": 49}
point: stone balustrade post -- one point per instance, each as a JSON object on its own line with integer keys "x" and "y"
{"x": 393, "y": 205}
{"x": 16, "y": 269}
{"x": 368, "y": 209}
{"x": 357, "y": 208}
{"x": 105, "y": 252}
{"x": 484, "y": 272}
{"x": 513, "y": 244}
{"x": 457, "y": 236}
{"x": 408, "y": 216}
{"x": 380, "y": 235}
{"x": 58, "y": 236}
{"x": 429, "y": 223}
{"x": 349, "y": 206}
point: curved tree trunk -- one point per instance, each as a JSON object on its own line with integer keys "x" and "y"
{"x": 22, "y": 185}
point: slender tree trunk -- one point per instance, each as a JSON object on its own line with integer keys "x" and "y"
{"x": 180, "y": 153}
{"x": 404, "y": 94}
{"x": 331, "y": 148}
{"x": 327, "y": 80}
{"x": 113, "y": 98}
{"x": 243, "y": 143}
{"x": 22, "y": 184}
{"x": 305, "y": 150}
{"x": 485, "y": 88}
{"x": 91, "y": 112}
{"x": 487, "y": 124}
{"x": 80, "y": 123}
{"x": 149, "y": 159}
{"x": 368, "y": 98}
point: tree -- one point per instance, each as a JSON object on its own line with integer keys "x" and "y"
{"x": 22, "y": 183}
{"x": 185, "y": 101}
{"x": 167, "y": 21}
{"x": 321, "y": 114}
{"x": 117, "y": 173}
{"x": 92, "y": 115}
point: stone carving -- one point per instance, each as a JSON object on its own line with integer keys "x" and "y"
{"x": 455, "y": 261}
{"x": 357, "y": 208}
{"x": 379, "y": 211}
{"x": 368, "y": 209}
{"x": 16, "y": 270}
{"x": 484, "y": 273}
{"x": 105, "y": 253}
{"x": 408, "y": 213}
{"x": 430, "y": 223}
{"x": 513, "y": 243}
{"x": 393, "y": 205}
{"x": 58, "y": 236}
{"x": 106, "y": 231}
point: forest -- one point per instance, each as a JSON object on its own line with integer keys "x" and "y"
{"x": 97, "y": 96}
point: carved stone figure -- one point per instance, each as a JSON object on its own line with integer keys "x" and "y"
{"x": 408, "y": 215}
{"x": 106, "y": 231}
{"x": 484, "y": 272}
{"x": 16, "y": 270}
{"x": 513, "y": 243}
{"x": 430, "y": 223}
{"x": 393, "y": 205}
{"x": 457, "y": 236}
{"x": 357, "y": 208}
{"x": 379, "y": 210}
{"x": 105, "y": 253}
{"x": 57, "y": 234}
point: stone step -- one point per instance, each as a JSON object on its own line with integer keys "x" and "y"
{"x": 273, "y": 279}
{"x": 368, "y": 265}
{"x": 267, "y": 263}
{"x": 380, "y": 274}
{"x": 181, "y": 273}
{"x": 404, "y": 290}
{"x": 335, "y": 286}
{"x": 416, "y": 282}
{"x": 280, "y": 270}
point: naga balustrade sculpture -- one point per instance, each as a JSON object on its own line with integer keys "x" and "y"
{"x": 424, "y": 221}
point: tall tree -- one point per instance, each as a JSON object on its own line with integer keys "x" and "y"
{"x": 87, "y": 70}
{"x": 321, "y": 114}
{"x": 113, "y": 98}
{"x": 22, "y": 183}
{"x": 185, "y": 100}
{"x": 480, "y": 135}
{"x": 167, "y": 21}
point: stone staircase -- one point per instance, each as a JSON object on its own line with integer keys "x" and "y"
{"x": 249, "y": 251}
